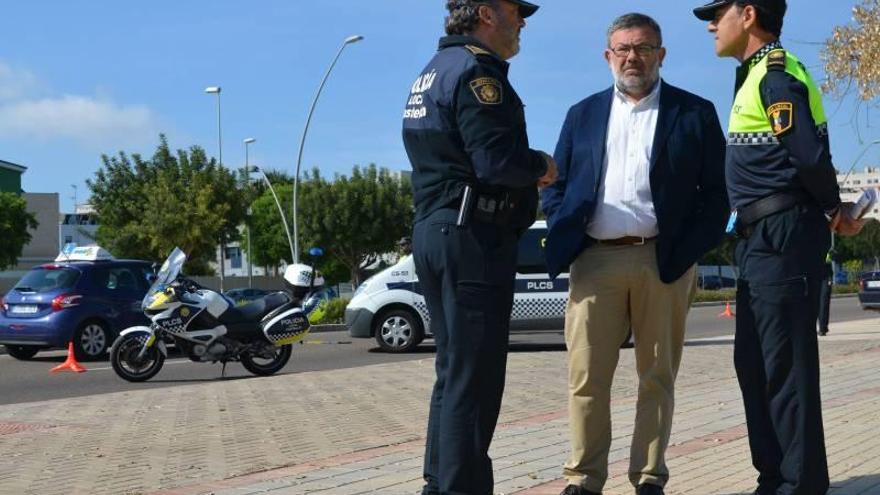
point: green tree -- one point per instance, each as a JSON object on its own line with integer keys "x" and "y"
{"x": 15, "y": 221}
{"x": 355, "y": 219}
{"x": 865, "y": 246}
{"x": 147, "y": 207}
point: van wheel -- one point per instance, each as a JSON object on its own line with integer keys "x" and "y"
{"x": 398, "y": 330}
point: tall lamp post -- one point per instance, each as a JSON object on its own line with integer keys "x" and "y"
{"x": 280, "y": 209}
{"x": 247, "y": 180}
{"x": 348, "y": 41}
{"x": 215, "y": 90}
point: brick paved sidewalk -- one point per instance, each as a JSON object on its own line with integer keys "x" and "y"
{"x": 361, "y": 430}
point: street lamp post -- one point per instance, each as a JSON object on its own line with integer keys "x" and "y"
{"x": 215, "y": 90}
{"x": 280, "y": 210}
{"x": 247, "y": 180}
{"x": 346, "y": 42}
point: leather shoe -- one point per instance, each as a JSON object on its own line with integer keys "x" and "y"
{"x": 649, "y": 489}
{"x": 577, "y": 490}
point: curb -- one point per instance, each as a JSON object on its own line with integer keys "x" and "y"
{"x": 733, "y": 302}
{"x": 333, "y": 327}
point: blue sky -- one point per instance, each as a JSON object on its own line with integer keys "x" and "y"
{"x": 78, "y": 79}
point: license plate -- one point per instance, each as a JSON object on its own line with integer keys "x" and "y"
{"x": 873, "y": 284}
{"x": 26, "y": 309}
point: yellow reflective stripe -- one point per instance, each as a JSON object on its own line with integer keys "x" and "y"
{"x": 749, "y": 115}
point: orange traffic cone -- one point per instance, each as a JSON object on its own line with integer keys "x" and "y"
{"x": 69, "y": 364}
{"x": 727, "y": 313}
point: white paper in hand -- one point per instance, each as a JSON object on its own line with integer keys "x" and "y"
{"x": 864, "y": 204}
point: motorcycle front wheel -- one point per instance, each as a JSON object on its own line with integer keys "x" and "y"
{"x": 126, "y": 363}
{"x": 268, "y": 362}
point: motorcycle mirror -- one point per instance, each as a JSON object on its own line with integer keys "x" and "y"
{"x": 316, "y": 252}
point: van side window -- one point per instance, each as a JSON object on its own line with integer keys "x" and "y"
{"x": 530, "y": 252}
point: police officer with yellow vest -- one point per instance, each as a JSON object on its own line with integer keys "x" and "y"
{"x": 783, "y": 186}
{"x": 475, "y": 187}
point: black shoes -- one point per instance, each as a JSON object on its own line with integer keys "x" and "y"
{"x": 577, "y": 490}
{"x": 649, "y": 489}
{"x": 823, "y": 333}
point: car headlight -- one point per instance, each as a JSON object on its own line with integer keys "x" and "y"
{"x": 361, "y": 288}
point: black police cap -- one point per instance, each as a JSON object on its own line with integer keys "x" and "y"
{"x": 707, "y": 12}
{"x": 525, "y": 8}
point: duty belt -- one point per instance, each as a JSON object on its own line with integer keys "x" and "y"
{"x": 486, "y": 208}
{"x": 769, "y": 205}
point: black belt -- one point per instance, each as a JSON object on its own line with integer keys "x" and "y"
{"x": 768, "y": 205}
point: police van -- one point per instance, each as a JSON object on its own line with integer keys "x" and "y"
{"x": 391, "y": 308}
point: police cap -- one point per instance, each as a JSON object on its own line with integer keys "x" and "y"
{"x": 525, "y": 8}
{"x": 772, "y": 7}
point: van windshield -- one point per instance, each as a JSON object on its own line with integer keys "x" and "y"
{"x": 47, "y": 278}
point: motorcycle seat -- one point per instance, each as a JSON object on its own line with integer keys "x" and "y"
{"x": 254, "y": 311}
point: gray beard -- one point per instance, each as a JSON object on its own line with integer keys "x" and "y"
{"x": 640, "y": 85}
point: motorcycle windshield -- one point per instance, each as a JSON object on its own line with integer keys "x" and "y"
{"x": 167, "y": 274}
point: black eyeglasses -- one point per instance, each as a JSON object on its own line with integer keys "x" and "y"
{"x": 643, "y": 50}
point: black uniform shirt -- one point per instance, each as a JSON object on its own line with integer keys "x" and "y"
{"x": 464, "y": 124}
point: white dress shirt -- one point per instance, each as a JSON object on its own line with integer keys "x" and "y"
{"x": 625, "y": 206}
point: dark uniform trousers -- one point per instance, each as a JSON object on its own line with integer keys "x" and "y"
{"x": 776, "y": 350}
{"x": 467, "y": 276}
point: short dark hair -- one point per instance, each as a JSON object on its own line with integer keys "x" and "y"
{"x": 768, "y": 20}
{"x": 635, "y": 20}
{"x": 464, "y": 15}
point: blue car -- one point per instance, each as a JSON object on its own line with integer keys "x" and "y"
{"x": 84, "y": 302}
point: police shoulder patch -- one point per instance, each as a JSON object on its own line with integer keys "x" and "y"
{"x": 776, "y": 59}
{"x": 477, "y": 50}
{"x": 488, "y": 90}
{"x": 781, "y": 117}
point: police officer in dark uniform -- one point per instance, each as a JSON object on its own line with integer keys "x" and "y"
{"x": 474, "y": 183}
{"x": 783, "y": 186}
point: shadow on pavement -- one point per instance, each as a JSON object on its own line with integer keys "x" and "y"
{"x": 856, "y": 485}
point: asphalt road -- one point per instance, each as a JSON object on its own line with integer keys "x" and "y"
{"x": 29, "y": 381}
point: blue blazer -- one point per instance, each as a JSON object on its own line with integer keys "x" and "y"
{"x": 687, "y": 181}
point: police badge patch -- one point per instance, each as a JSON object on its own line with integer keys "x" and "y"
{"x": 487, "y": 90}
{"x": 780, "y": 115}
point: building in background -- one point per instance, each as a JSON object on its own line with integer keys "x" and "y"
{"x": 79, "y": 227}
{"x": 43, "y": 247}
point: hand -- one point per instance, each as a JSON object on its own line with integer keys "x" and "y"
{"x": 549, "y": 177}
{"x": 844, "y": 225}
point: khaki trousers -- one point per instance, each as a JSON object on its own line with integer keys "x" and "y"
{"x": 614, "y": 289}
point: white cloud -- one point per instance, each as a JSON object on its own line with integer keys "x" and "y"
{"x": 16, "y": 83}
{"x": 85, "y": 120}
{"x": 28, "y": 111}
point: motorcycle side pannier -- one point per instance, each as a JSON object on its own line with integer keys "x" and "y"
{"x": 287, "y": 328}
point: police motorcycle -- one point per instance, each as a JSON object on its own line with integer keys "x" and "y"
{"x": 208, "y": 328}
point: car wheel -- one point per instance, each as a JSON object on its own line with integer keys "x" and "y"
{"x": 398, "y": 330}
{"x": 91, "y": 341}
{"x": 22, "y": 352}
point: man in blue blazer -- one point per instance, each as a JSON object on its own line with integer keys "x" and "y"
{"x": 640, "y": 198}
